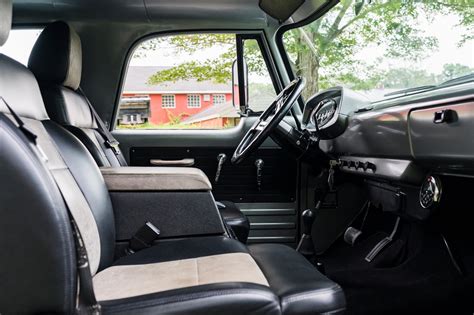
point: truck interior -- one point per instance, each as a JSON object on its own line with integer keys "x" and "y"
{"x": 236, "y": 157}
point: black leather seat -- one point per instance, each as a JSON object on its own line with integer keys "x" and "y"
{"x": 58, "y": 52}
{"x": 47, "y": 177}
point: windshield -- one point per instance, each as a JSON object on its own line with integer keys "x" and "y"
{"x": 382, "y": 48}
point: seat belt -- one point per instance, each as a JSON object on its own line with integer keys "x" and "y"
{"x": 86, "y": 302}
{"x": 110, "y": 141}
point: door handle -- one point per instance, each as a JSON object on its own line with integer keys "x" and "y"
{"x": 445, "y": 116}
{"x": 182, "y": 162}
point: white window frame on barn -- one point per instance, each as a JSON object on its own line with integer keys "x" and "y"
{"x": 218, "y": 99}
{"x": 168, "y": 101}
{"x": 194, "y": 100}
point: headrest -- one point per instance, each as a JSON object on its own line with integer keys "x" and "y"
{"x": 56, "y": 57}
{"x": 18, "y": 87}
{"x": 5, "y": 20}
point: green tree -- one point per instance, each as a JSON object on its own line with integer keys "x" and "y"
{"x": 353, "y": 25}
{"x": 217, "y": 69}
{"x": 401, "y": 78}
{"x": 323, "y": 51}
{"x": 454, "y": 70}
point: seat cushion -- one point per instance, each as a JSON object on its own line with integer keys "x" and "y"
{"x": 302, "y": 289}
{"x": 124, "y": 281}
{"x": 185, "y": 248}
{"x": 197, "y": 271}
{"x": 174, "y": 264}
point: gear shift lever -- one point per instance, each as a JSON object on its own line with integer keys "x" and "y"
{"x": 305, "y": 246}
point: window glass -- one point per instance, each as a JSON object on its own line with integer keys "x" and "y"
{"x": 168, "y": 101}
{"x": 194, "y": 101}
{"x": 383, "y": 48}
{"x": 261, "y": 89}
{"x": 19, "y": 44}
{"x": 218, "y": 99}
{"x": 187, "y": 82}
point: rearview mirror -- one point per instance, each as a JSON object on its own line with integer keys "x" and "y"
{"x": 235, "y": 86}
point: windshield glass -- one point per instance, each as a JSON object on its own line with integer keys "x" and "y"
{"x": 381, "y": 48}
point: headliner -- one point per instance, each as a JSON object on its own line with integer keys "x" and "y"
{"x": 140, "y": 11}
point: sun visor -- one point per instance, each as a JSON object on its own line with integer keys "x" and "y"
{"x": 280, "y": 9}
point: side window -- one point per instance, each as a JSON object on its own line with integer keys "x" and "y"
{"x": 261, "y": 89}
{"x": 19, "y": 44}
{"x": 185, "y": 82}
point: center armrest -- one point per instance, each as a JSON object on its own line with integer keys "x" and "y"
{"x": 155, "y": 179}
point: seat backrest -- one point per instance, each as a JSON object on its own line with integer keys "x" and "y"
{"x": 56, "y": 61}
{"x": 37, "y": 265}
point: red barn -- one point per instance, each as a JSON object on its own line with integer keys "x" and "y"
{"x": 170, "y": 102}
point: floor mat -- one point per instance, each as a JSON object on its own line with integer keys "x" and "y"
{"x": 414, "y": 274}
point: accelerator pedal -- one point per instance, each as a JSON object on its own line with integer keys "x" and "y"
{"x": 383, "y": 243}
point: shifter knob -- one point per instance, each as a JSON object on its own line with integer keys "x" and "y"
{"x": 305, "y": 246}
{"x": 308, "y": 220}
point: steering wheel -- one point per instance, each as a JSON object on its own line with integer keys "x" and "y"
{"x": 268, "y": 120}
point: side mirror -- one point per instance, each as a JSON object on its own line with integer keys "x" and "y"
{"x": 236, "y": 89}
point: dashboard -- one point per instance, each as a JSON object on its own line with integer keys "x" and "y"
{"x": 399, "y": 140}
{"x": 401, "y": 147}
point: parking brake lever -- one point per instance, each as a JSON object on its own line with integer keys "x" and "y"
{"x": 221, "y": 158}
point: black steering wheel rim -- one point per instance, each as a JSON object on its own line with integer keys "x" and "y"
{"x": 268, "y": 120}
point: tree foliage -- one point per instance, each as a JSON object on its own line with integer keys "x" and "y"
{"x": 324, "y": 51}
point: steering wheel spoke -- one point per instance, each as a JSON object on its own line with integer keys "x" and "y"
{"x": 268, "y": 120}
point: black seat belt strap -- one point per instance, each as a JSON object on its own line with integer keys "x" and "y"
{"x": 110, "y": 141}
{"x": 86, "y": 301}
{"x": 21, "y": 125}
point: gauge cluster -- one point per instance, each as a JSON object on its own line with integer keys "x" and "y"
{"x": 323, "y": 112}
{"x": 326, "y": 113}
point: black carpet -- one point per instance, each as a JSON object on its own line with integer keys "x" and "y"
{"x": 413, "y": 275}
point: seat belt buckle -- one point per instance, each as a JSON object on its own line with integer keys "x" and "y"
{"x": 114, "y": 146}
{"x": 143, "y": 238}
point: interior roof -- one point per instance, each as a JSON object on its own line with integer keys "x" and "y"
{"x": 139, "y": 11}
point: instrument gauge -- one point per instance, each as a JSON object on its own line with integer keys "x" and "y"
{"x": 430, "y": 192}
{"x": 325, "y": 112}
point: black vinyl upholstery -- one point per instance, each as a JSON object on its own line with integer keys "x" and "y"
{"x": 38, "y": 263}
{"x": 301, "y": 290}
{"x": 91, "y": 183}
{"x": 168, "y": 250}
{"x": 235, "y": 219}
{"x": 38, "y": 256}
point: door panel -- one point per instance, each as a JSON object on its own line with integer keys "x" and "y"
{"x": 236, "y": 183}
{"x": 272, "y": 210}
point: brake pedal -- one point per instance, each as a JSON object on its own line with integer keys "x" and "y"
{"x": 351, "y": 235}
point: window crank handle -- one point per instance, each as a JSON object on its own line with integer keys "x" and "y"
{"x": 259, "y": 164}
{"x": 221, "y": 158}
